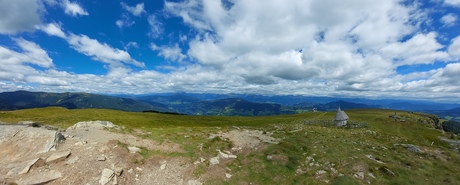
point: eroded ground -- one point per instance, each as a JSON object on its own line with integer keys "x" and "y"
{"x": 91, "y": 154}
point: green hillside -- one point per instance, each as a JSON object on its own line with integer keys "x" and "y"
{"x": 24, "y": 99}
{"x": 382, "y": 151}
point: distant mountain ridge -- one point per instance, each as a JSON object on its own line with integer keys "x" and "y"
{"x": 26, "y": 99}
{"x": 216, "y": 104}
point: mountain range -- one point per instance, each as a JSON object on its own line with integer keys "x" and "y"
{"x": 24, "y": 100}
{"x": 217, "y": 104}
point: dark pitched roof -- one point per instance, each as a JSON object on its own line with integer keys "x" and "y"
{"x": 340, "y": 115}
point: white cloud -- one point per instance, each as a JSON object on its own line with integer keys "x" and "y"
{"x": 131, "y": 45}
{"x": 101, "y": 51}
{"x": 172, "y": 53}
{"x": 135, "y": 10}
{"x": 154, "y": 47}
{"x": 454, "y": 48}
{"x": 125, "y": 21}
{"x": 452, "y": 2}
{"x": 329, "y": 47}
{"x": 51, "y": 2}
{"x": 44, "y": 79}
{"x": 449, "y": 19}
{"x": 34, "y": 54}
{"x": 73, "y": 9}
{"x": 189, "y": 12}
{"x": 19, "y": 16}
{"x": 420, "y": 49}
{"x": 52, "y": 29}
{"x": 156, "y": 28}
{"x": 262, "y": 40}
{"x": 183, "y": 38}
{"x": 452, "y": 71}
{"x": 17, "y": 64}
{"x": 295, "y": 47}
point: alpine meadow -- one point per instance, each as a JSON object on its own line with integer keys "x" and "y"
{"x": 249, "y": 92}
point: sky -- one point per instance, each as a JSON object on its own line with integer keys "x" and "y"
{"x": 354, "y": 48}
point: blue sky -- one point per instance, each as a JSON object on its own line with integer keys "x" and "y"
{"x": 354, "y": 48}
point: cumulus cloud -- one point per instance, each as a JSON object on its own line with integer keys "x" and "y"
{"x": 135, "y": 10}
{"x": 34, "y": 54}
{"x": 352, "y": 47}
{"x": 452, "y": 71}
{"x": 449, "y": 19}
{"x": 101, "y": 51}
{"x": 454, "y": 48}
{"x": 17, "y": 64}
{"x": 172, "y": 53}
{"x": 190, "y": 13}
{"x": 420, "y": 49}
{"x": 73, "y": 8}
{"x": 295, "y": 40}
{"x": 19, "y": 16}
{"x": 329, "y": 47}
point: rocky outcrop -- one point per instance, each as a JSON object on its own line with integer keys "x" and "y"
{"x": 19, "y": 141}
{"x": 26, "y": 145}
{"x": 93, "y": 125}
{"x": 412, "y": 148}
{"x": 86, "y": 153}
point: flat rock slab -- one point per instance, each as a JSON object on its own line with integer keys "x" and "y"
{"x": 22, "y": 167}
{"x": 93, "y": 125}
{"x": 107, "y": 175}
{"x": 41, "y": 177}
{"x": 18, "y": 142}
{"x": 58, "y": 156}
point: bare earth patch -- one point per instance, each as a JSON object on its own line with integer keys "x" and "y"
{"x": 247, "y": 139}
{"x": 89, "y": 155}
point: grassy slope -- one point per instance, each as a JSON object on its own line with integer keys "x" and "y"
{"x": 342, "y": 149}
